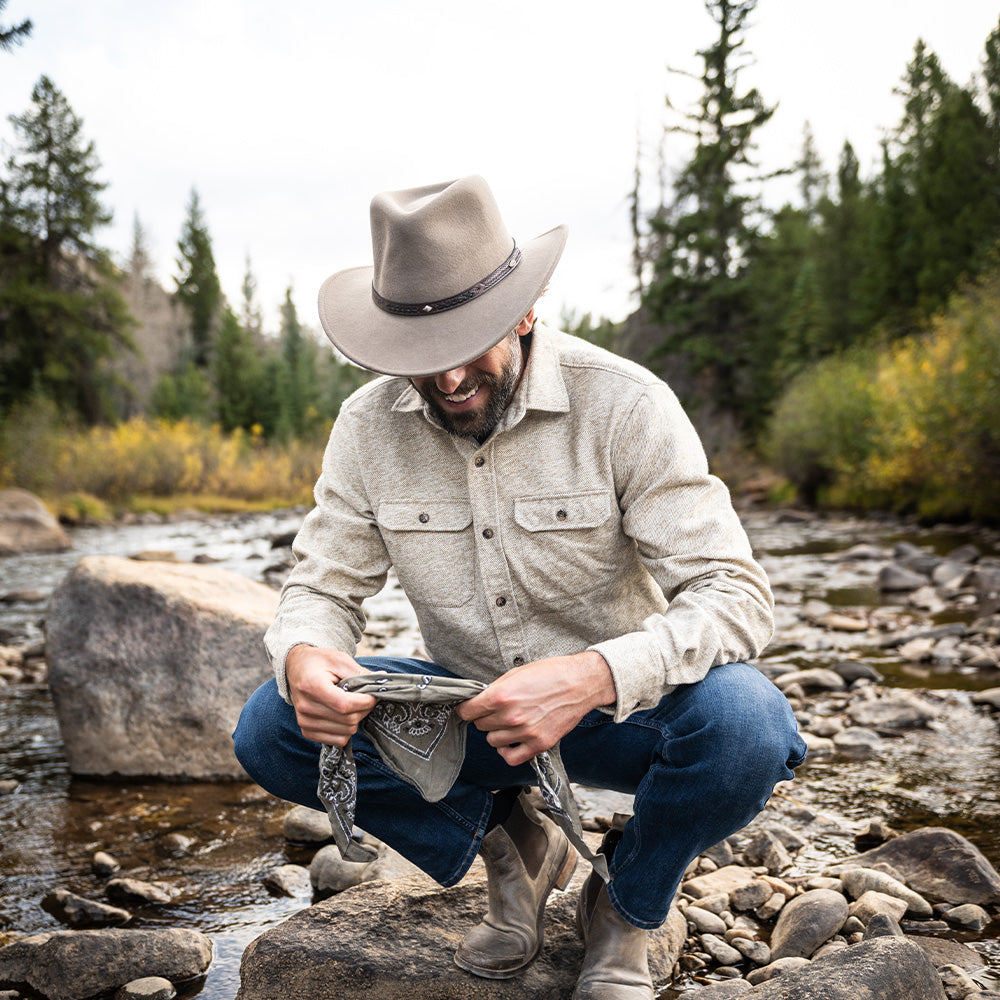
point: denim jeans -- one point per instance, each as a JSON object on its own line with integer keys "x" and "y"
{"x": 701, "y": 765}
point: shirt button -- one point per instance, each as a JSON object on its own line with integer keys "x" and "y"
{"x": 561, "y": 514}
{"x": 518, "y": 661}
{"x": 480, "y": 462}
{"x": 423, "y": 518}
{"x": 487, "y": 532}
{"x": 501, "y": 601}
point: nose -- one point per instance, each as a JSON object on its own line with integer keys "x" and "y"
{"x": 449, "y": 381}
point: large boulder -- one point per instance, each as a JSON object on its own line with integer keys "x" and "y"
{"x": 26, "y": 525}
{"x": 150, "y": 664}
{"x": 940, "y": 865}
{"x": 77, "y": 965}
{"x": 395, "y": 940}
{"x": 884, "y": 968}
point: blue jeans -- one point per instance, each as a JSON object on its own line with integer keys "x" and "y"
{"x": 701, "y": 765}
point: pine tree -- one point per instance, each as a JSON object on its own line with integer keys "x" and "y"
{"x": 64, "y": 315}
{"x": 15, "y": 34}
{"x": 298, "y": 384}
{"x": 237, "y": 372}
{"x": 702, "y": 243}
{"x": 198, "y": 285}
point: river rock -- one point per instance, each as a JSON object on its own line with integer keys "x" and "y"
{"x": 76, "y": 965}
{"x": 721, "y": 880}
{"x": 807, "y": 922}
{"x": 894, "y": 578}
{"x": 871, "y": 903}
{"x": 150, "y": 664}
{"x": 138, "y": 892}
{"x": 148, "y": 988}
{"x": 990, "y": 697}
{"x": 858, "y": 881}
{"x": 395, "y": 940}
{"x": 704, "y": 921}
{"x": 895, "y": 711}
{"x": 329, "y": 872}
{"x": 719, "y": 991}
{"x": 27, "y": 525}
{"x": 303, "y": 825}
{"x": 77, "y": 911}
{"x": 968, "y": 917}
{"x": 814, "y": 679}
{"x": 884, "y": 968}
{"x": 939, "y": 864}
{"x": 289, "y": 880}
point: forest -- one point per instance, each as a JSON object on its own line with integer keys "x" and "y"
{"x": 847, "y": 341}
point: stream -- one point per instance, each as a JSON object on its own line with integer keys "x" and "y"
{"x": 215, "y": 842}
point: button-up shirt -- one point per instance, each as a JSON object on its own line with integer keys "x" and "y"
{"x": 587, "y": 520}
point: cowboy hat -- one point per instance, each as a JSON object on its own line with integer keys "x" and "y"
{"x": 448, "y": 281}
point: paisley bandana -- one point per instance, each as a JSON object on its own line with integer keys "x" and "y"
{"x": 419, "y": 736}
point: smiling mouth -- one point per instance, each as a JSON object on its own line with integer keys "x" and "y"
{"x": 456, "y": 397}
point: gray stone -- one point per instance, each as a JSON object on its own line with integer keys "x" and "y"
{"x": 939, "y": 864}
{"x": 861, "y": 880}
{"x": 807, "y": 922}
{"x": 149, "y": 988}
{"x": 897, "y": 711}
{"x": 990, "y": 697}
{"x": 303, "y": 825}
{"x": 27, "y": 525}
{"x": 751, "y": 895}
{"x": 885, "y": 968}
{"x": 816, "y": 679}
{"x": 968, "y": 916}
{"x": 872, "y": 903}
{"x": 765, "y": 848}
{"x": 881, "y": 925}
{"x": 718, "y": 991}
{"x": 150, "y": 664}
{"x": 289, "y": 880}
{"x": 76, "y": 965}
{"x": 943, "y": 951}
{"x": 957, "y": 985}
{"x": 722, "y": 880}
{"x": 704, "y": 921}
{"x": 329, "y": 872}
{"x": 758, "y": 952}
{"x": 136, "y": 891}
{"x": 395, "y": 940}
{"x": 894, "y": 578}
{"x": 77, "y": 911}
{"x": 105, "y": 864}
{"x": 857, "y": 741}
{"x": 721, "y": 952}
{"x": 774, "y": 969}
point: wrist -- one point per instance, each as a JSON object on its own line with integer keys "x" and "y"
{"x": 601, "y": 680}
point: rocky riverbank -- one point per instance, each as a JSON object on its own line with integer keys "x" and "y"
{"x": 887, "y": 646}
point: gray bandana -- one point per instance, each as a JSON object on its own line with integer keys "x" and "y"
{"x": 418, "y": 735}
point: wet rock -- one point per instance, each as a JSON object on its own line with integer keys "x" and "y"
{"x": 9, "y": 785}
{"x": 807, "y": 922}
{"x": 968, "y": 917}
{"x": 75, "y": 965}
{"x": 887, "y": 968}
{"x": 104, "y": 864}
{"x": 396, "y": 939}
{"x": 150, "y": 664}
{"x": 289, "y": 880}
{"x": 330, "y": 873}
{"x": 861, "y": 880}
{"x": 875, "y": 832}
{"x": 895, "y": 578}
{"x": 77, "y": 911}
{"x": 939, "y": 865}
{"x": 27, "y": 525}
{"x": 177, "y": 844}
{"x": 895, "y": 711}
{"x": 148, "y": 988}
{"x": 138, "y": 892}
{"x": 303, "y": 825}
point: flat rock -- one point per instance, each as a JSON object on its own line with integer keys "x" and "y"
{"x": 939, "y": 864}
{"x": 721, "y": 880}
{"x": 395, "y": 940}
{"x": 77, "y": 965}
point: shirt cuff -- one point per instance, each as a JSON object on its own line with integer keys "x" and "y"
{"x": 636, "y": 663}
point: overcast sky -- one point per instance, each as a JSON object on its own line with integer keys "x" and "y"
{"x": 288, "y": 117}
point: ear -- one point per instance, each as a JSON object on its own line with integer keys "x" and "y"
{"x": 524, "y": 327}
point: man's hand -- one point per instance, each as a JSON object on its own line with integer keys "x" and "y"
{"x": 324, "y": 711}
{"x": 531, "y": 707}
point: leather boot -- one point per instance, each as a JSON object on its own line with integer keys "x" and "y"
{"x": 526, "y": 857}
{"x": 616, "y": 963}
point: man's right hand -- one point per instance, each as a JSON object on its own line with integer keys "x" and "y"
{"x": 325, "y": 712}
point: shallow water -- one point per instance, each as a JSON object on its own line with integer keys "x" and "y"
{"x": 51, "y": 827}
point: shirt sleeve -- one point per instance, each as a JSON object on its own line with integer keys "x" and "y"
{"x": 690, "y": 539}
{"x": 340, "y": 560}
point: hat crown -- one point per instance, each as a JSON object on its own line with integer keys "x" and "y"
{"x": 433, "y": 242}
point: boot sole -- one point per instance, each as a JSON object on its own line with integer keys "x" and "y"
{"x": 567, "y": 867}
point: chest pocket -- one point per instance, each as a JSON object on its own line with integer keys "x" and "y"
{"x": 431, "y": 547}
{"x": 569, "y": 545}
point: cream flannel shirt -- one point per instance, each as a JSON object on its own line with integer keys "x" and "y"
{"x": 588, "y": 519}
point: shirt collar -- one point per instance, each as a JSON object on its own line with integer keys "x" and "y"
{"x": 542, "y": 386}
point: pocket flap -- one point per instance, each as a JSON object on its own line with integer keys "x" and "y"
{"x": 563, "y": 513}
{"x": 425, "y": 515}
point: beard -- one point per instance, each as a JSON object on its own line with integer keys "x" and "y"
{"x": 479, "y": 424}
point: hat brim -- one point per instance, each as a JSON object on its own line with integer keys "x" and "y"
{"x": 426, "y": 345}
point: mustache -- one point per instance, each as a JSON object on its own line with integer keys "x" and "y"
{"x": 467, "y": 385}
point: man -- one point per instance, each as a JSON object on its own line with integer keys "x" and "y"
{"x": 548, "y": 511}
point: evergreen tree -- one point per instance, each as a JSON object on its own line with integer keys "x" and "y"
{"x": 15, "y": 34}
{"x": 198, "y": 285}
{"x": 702, "y": 244}
{"x": 298, "y": 383}
{"x": 64, "y": 315}
{"x": 237, "y": 372}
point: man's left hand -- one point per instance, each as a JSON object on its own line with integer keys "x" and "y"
{"x": 531, "y": 707}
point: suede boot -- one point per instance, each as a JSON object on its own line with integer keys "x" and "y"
{"x": 616, "y": 962}
{"x": 525, "y": 857}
